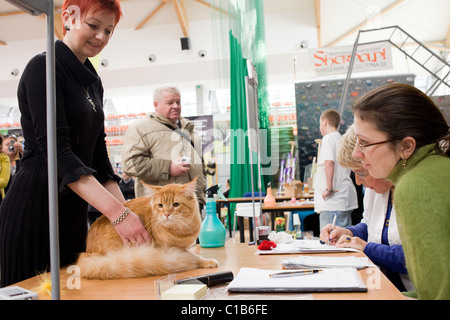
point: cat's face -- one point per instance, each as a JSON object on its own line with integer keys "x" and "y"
{"x": 170, "y": 204}
{"x": 174, "y": 205}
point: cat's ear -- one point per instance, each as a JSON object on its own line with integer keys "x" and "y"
{"x": 151, "y": 190}
{"x": 190, "y": 187}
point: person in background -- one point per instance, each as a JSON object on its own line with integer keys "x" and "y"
{"x": 85, "y": 174}
{"x": 403, "y": 137}
{"x": 12, "y": 147}
{"x": 377, "y": 235}
{"x": 164, "y": 148}
{"x": 227, "y": 189}
{"x": 334, "y": 192}
{"x": 5, "y": 170}
{"x": 126, "y": 185}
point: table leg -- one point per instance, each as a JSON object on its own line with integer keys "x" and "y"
{"x": 250, "y": 228}
{"x": 241, "y": 228}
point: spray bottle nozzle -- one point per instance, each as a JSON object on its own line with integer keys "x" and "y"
{"x": 215, "y": 190}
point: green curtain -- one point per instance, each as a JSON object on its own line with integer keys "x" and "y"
{"x": 240, "y": 181}
{"x": 247, "y": 41}
{"x": 245, "y": 35}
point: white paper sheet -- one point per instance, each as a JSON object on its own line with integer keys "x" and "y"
{"x": 328, "y": 280}
{"x": 326, "y": 262}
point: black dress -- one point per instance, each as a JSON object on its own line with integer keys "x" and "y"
{"x": 81, "y": 150}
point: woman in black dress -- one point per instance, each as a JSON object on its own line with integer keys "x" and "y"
{"x": 85, "y": 174}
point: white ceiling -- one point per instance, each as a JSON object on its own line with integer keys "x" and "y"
{"x": 428, "y": 20}
{"x": 321, "y": 22}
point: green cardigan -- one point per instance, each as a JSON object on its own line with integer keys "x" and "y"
{"x": 422, "y": 204}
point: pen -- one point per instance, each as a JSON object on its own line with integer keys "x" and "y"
{"x": 332, "y": 227}
{"x": 293, "y": 273}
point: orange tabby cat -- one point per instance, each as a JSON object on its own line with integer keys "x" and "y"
{"x": 171, "y": 216}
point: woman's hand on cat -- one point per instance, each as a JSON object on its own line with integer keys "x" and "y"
{"x": 132, "y": 231}
{"x": 178, "y": 167}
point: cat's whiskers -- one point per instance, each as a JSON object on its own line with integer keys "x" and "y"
{"x": 153, "y": 223}
{"x": 147, "y": 224}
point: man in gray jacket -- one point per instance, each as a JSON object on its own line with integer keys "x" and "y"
{"x": 163, "y": 148}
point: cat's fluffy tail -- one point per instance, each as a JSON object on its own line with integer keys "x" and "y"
{"x": 136, "y": 262}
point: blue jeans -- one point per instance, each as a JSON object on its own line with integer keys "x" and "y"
{"x": 343, "y": 218}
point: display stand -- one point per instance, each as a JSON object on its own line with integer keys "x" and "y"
{"x": 251, "y": 90}
{"x": 38, "y": 7}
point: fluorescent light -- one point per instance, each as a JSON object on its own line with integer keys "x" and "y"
{"x": 33, "y": 7}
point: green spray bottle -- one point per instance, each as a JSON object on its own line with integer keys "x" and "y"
{"x": 212, "y": 231}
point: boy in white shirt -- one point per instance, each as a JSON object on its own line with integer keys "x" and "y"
{"x": 334, "y": 191}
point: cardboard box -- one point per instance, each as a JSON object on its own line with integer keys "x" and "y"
{"x": 293, "y": 189}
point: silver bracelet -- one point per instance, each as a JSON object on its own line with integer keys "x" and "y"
{"x": 121, "y": 217}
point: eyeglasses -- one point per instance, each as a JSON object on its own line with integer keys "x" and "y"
{"x": 361, "y": 174}
{"x": 362, "y": 146}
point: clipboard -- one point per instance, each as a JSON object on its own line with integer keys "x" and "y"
{"x": 251, "y": 280}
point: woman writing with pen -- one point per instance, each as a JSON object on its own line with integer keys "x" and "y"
{"x": 377, "y": 234}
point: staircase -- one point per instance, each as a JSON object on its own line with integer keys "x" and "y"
{"x": 401, "y": 40}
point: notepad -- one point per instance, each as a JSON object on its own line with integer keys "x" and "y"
{"x": 185, "y": 292}
{"x": 300, "y": 262}
{"x": 251, "y": 280}
{"x": 304, "y": 246}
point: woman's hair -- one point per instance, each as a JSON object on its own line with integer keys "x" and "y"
{"x": 84, "y": 6}
{"x": 345, "y": 150}
{"x": 400, "y": 110}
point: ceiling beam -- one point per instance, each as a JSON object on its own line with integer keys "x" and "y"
{"x": 212, "y": 7}
{"x": 447, "y": 39}
{"x": 11, "y": 13}
{"x": 318, "y": 22}
{"x": 159, "y": 7}
{"x": 182, "y": 17}
{"x": 365, "y": 23}
{"x": 58, "y": 25}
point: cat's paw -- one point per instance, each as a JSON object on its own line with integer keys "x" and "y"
{"x": 208, "y": 263}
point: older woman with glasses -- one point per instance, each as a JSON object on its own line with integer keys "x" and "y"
{"x": 402, "y": 136}
{"x": 377, "y": 234}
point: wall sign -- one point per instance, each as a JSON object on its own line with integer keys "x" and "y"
{"x": 336, "y": 60}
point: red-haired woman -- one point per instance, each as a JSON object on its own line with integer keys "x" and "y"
{"x": 85, "y": 174}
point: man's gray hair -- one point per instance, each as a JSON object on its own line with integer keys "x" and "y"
{"x": 157, "y": 93}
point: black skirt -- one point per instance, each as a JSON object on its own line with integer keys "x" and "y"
{"x": 24, "y": 224}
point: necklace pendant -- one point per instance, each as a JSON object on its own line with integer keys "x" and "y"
{"x": 92, "y": 103}
{"x": 90, "y": 99}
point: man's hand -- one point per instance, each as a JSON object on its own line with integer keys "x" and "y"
{"x": 178, "y": 168}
